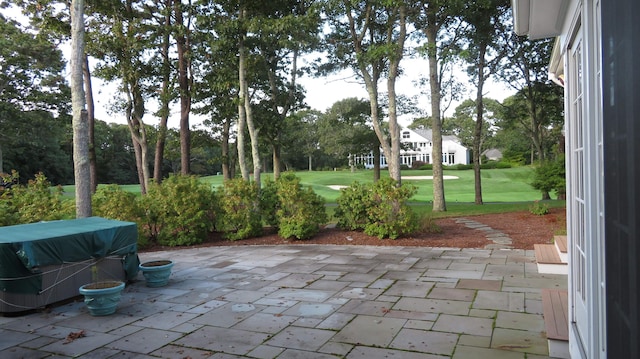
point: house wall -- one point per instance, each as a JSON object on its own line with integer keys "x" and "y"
{"x": 580, "y": 49}
{"x": 603, "y": 137}
{"x": 419, "y": 148}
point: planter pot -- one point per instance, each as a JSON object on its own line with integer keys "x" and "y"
{"x": 156, "y": 273}
{"x": 102, "y": 298}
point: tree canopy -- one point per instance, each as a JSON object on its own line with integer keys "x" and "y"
{"x": 238, "y": 64}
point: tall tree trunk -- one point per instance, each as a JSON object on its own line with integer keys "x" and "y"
{"x": 253, "y": 135}
{"x": 477, "y": 133}
{"x": 134, "y": 113}
{"x": 182, "y": 42}
{"x": 226, "y": 129}
{"x": 281, "y": 109}
{"x": 376, "y": 163}
{"x": 81, "y": 168}
{"x": 242, "y": 94}
{"x": 276, "y": 150}
{"x": 91, "y": 121}
{"x": 371, "y": 83}
{"x": 165, "y": 96}
{"x": 394, "y": 64}
{"x": 439, "y": 203}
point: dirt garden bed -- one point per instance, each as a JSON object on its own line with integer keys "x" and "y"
{"x": 524, "y": 228}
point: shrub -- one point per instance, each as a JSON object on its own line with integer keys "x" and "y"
{"x": 240, "y": 216}
{"x": 426, "y": 224}
{"x": 353, "y": 202}
{"x": 550, "y": 176}
{"x": 426, "y": 167}
{"x": 8, "y": 216}
{"x": 269, "y": 202}
{"x": 459, "y": 167}
{"x": 180, "y": 211}
{"x": 390, "y": 216}
{"x": 380, "y": 209}
{"x": 539, "y": 209}
{"x": 34, "y": 203}
{"x": 494, "y": 165}
{"x": 113, "y": 202}
{"x": 300, "y": 210}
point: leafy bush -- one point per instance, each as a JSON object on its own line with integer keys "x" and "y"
{"x": 269, "y": 202}
{"x": 34, "y": 203}
{"x": 391, "y": 216}
{"x": 539, "y": 209}
{"x": 8, "y": 215}
{"x": 426, "y": 167}
{"x": 240, "y": 209}
{"x": 550, "y": 176}
{"x": 300, "y": 210}
{"x": 113, "y": 202}
{"x": 426, "y": 224}
{"x": 459, "y": 167}
{"x": 380, "y": 209}
{"x": 353, "y": 203}
{"x": 180, "y": 211}
{"x": 495, "y": 165}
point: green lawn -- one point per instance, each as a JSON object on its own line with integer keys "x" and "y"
{"x": 498, "y": 185}
{"x": 503, "y": 190}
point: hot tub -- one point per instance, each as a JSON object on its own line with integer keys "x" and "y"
{"x": 46, "y": 262}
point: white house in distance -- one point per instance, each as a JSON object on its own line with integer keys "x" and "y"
{"x": 417, "y": 146}
{"x": 596, "y": 60}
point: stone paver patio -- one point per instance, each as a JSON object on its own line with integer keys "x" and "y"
{"x": 309, "y": 301}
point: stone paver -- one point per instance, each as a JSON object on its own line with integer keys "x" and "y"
{"x": 310, "y": 301}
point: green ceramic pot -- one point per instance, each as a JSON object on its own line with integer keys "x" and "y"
{"x": 102, "y": 298}
{"x": 156, "y": 273}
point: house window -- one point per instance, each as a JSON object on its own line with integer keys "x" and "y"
{"x": 406, "y": 134}
{"x": 448, "y": 158}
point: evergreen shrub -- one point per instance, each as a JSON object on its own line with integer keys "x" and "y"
{"x": 240, "y": 215}
{"x": 300, "y": 210}
{"x": 180, "y": 211}
{"x": 35, "y": 202}
{"x": 380, "y": 209}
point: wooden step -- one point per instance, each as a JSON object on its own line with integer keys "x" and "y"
{"x": 548, "y": 259}
{"x": 561, "y": 246}
{"x": 555, "y": 308}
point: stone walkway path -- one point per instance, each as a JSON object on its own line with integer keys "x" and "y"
{"x": 500, "y": 240}
{"x": 309, "y": 301}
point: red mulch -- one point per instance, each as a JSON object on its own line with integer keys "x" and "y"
{"x": 524, "y": 228}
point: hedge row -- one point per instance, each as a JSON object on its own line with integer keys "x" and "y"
{"x": 184, "y": 211}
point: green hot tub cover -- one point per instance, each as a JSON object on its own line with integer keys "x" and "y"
{"x": 26, "y": 248}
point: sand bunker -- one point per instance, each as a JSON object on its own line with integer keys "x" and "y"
{"x": 427, "y": 177}
{"x": 339, "y": 187}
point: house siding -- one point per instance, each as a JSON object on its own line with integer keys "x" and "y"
{"x": 417, "y": 147}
